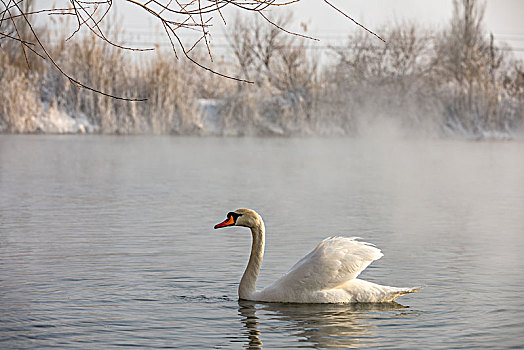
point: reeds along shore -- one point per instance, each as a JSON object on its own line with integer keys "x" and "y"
{"x": 451, "y": 82}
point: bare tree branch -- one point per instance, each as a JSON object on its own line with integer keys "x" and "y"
{"x": 174, "y": 16}
{"x": 358, "y": 24}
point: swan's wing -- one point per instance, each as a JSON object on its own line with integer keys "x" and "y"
{"x": 333, "y": 262}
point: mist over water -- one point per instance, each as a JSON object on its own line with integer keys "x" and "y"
{"x": 109, "y": 241}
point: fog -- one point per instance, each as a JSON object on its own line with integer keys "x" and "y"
{"x": 449, "y": 82}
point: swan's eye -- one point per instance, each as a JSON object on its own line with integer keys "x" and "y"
{"x": 234, "y": 215}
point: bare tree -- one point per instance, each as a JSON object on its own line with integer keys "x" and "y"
{"x": 471, "y": 62}
{"x": 17, "y": 24}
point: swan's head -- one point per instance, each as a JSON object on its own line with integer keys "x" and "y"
{"x": 241, "y": 217}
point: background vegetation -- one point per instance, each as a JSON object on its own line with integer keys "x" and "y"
{"x": 454, "y": 82}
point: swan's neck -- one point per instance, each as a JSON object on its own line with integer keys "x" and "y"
{"x": 247, "y": 286}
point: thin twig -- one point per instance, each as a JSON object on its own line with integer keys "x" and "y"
{"x": 71, "y": 79}
{"x": 358, "y": 24}
{"x": 17, "y": 32}
{"x": 287, "y": 31}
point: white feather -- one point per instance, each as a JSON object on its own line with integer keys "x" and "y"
{"x": 332, "y": 263}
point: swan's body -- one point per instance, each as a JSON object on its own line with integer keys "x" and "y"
{"x": 326, "y": 275}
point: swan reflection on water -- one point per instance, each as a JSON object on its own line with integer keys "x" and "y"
{"x": 321, "y": 325}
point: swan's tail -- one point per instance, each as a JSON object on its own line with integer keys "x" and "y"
{"x": 398, "y": 292}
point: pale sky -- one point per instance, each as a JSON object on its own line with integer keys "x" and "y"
{"x": 504, "y": 18}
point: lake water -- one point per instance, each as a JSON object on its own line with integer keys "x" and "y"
{"x": 109, "y": 242}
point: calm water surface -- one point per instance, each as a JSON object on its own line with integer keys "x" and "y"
{"x": 109, "y": 241}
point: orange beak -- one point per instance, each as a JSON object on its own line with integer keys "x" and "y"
{"x": 227, "y": 222}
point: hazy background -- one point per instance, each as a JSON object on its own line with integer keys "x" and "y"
{"x": 450, "y": 76}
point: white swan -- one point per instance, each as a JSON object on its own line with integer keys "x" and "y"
{"x": 326, "y": 275}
